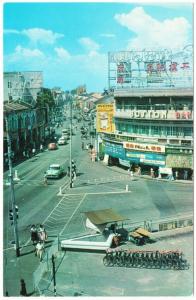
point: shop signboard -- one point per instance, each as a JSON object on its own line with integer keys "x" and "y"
{"x": 144, "y": 147}
{"x": 179, "y": 161}
{"x": 146, "y": 158}
{"x": 114, "y": 150}
{"x": 105, "y": 114}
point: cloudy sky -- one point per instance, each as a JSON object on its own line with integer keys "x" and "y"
{"x": 69, "y": 42}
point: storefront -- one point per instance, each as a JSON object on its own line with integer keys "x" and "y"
{"x": 114, "y": 150}
{"x": 151, "y": 159}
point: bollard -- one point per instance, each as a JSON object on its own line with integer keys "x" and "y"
{"x": 127, "y": 188}
{"x": 16, "y": 178}
{"x": 60, "y": 191}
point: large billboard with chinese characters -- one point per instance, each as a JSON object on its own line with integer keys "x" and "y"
{"x": 163, "y": 68}
{"x": 144, "y": 147}
{"x": 105, "y": 114}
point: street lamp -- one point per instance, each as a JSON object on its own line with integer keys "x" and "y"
{"x": 12, "y": 193}
{"x": 70, "y": 145}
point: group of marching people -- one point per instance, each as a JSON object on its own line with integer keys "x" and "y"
{"x": 38, "y": 238}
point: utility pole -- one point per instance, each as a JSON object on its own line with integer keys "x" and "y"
{"x": 54, "y": 274}
{"x": 70, "y": 145}
{"x": 12, "y": 193}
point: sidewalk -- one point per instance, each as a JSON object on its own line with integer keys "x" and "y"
{"x": 122, "y": 171}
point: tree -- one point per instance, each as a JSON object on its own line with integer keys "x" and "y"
{"x": 44, "y": 98}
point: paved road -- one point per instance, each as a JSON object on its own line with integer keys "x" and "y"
{"x": 97, "y": 187}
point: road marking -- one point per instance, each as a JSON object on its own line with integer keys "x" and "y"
{"x": 73, "y": 213}
{"x": 100, "y": 193}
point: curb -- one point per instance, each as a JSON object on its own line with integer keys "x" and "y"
{"x": 149, "y": 178}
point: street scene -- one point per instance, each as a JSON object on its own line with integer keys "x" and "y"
{"x": 98, "y": 170}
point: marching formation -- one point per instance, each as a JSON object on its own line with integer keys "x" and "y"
{"x": 145, "y": 259}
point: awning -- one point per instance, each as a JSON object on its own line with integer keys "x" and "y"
{"x": 135, "y": 235}
{"x": 143, "y": 232}
{"x": 104, "y": 216}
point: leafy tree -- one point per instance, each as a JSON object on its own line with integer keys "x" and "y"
{"x": 44, "y": 98}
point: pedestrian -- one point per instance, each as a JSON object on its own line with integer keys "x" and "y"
{"x": 176, "y": 175}
{"x": 33, "y": 151}
{"x": 139, "y": 171}
{"x": 23, "y": 290}
{"x": 42, "y": 234}
{"x": 82, "y": 145}
{"x": 41, "y": 148}
{"x": 68, "y": 171}
{"x": 129, "y": 171}
{"x": 152, "y": 172}
{"x": 185, "y": 174}
{"x": 34, "y": 235}
{"x": 39, "y": 250}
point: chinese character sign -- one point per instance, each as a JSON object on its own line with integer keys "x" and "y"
{"x": 105, "y": 114}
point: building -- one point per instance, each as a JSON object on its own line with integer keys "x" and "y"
{"x": 26, "y": 127}
{"x": 153, "y": 120}
{"x": 22, "y": 86}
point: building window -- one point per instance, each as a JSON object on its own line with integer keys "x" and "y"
{"x": 188, "y": 131}
{"x": 155, "y": 130}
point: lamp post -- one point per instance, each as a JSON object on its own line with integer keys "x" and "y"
{"x": 12, "y": 193}
{"x": 70, "y": 145}
{"x": 54, "y": 274}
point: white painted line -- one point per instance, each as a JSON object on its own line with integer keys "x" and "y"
{"x": 100, "y": 193}
{"x": 72, "y": 214}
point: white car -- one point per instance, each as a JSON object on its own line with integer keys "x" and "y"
{"x": 55, "y": 171}
{"x": 62, "y": 141}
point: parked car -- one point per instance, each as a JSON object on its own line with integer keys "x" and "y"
{"x": 52, "y": 146}
{"x": 62, "y": 141}
{"x": 55, "y": 171}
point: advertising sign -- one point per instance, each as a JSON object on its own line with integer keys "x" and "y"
{"x": 144, "y": 147}
{"x": 105, "y": 113}
{"x": 146, "y": 158}
{"x": 114, "y": 150}
{"x": 149, "y": 68}
{"x": 179, "y": 161}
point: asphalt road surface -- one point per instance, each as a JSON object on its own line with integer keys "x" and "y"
{"x": 96, "y": 187}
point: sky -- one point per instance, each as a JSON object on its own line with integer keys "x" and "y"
{"x": 70, "y": 42}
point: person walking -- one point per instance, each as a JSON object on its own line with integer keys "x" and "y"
{"x": 185, "y": 174}
{"x": 34, "y": 235}
{"x": 39, "y": 250}
{"x": 139, "y": 171}
{"x": 41, "y": 148}
{"x": 152, "y": 173}
{"x": 33, "y": 151}
{"x": 23, "y": 290}
{"x": 42, "y": 234}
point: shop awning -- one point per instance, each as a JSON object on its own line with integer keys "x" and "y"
{"x": 143, "y": 232}
{"x": 104, "y": 216}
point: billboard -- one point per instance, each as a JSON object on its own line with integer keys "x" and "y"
{"x": 145, "y": 158}
{"x": 144, "y": 147}
{"x": 151, "y": 68}
{"x": 105, "y": 114}
{"x": 114, "y": 150}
